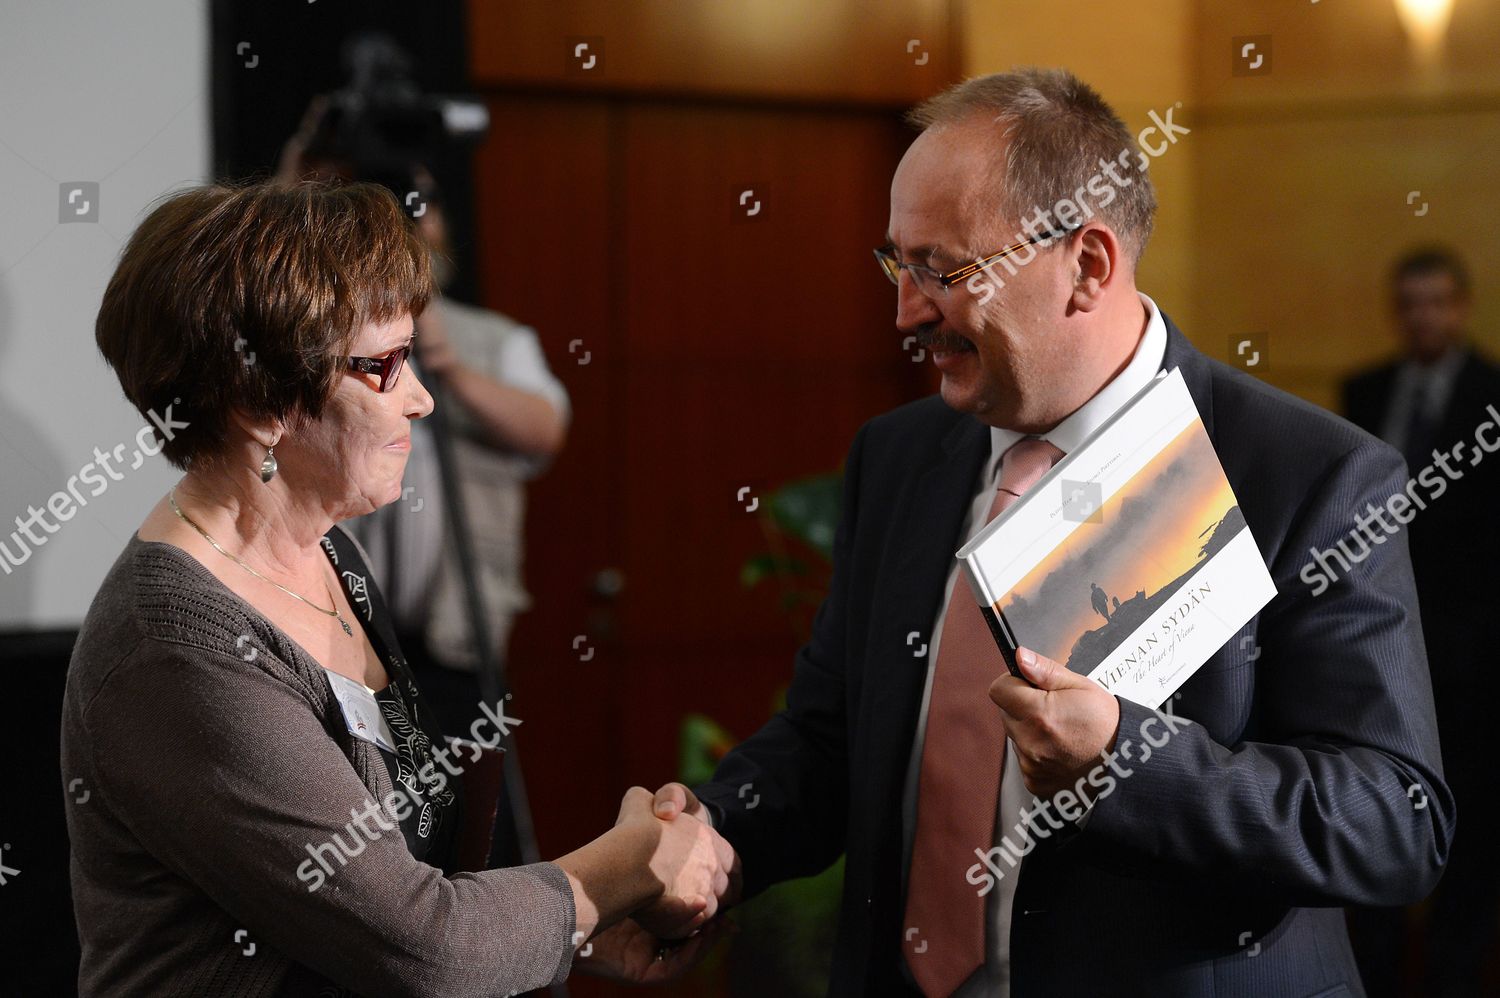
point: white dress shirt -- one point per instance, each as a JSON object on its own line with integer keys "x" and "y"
{"x": 1428, "y": 385}
{"x": 993, "y": 979}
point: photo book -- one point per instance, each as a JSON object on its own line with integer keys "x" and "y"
{"x": 1130, "y": 561}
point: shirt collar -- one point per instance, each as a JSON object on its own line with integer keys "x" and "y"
{"x": 1073, "y": 431}
{"x": 1440, "y": 373}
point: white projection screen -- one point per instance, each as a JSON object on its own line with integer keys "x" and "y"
{"x": 123, "y": 119}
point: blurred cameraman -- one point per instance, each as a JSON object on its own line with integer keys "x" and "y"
{"x": 507, "y": 413}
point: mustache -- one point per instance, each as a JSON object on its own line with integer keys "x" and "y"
{"x": 936, "y": 338}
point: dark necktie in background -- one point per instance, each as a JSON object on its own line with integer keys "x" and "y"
{"x": 1421, "y": 428}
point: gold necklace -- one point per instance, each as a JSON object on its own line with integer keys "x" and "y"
{"x": 172, "y": 498}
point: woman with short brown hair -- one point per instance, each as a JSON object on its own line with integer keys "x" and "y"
{"x": 268, "y": 814}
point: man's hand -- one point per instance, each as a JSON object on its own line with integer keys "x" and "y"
{"x": 685, "y": 860}
{"x": 1060, "y": 724}
{"x": 675, "y": 803}
{"x": 674, "y": 799}
{"x": 626, "y": 952}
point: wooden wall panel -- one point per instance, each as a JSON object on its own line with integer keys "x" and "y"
{"x": 835, "y": 50}
{"x": 724, "y": 350}
{"x": 1303, "y": 218}
{"x": 757, "y": 343}
{"x": 727, "y": 347}
{"x": 543, "y": 192}
{"x": 1347, "y": 53}
{"x": 1302, "y": 178}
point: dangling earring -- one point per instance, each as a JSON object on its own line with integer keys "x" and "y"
{"x": 268, "y": 466}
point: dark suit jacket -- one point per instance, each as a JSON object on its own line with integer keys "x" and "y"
{"x": 1217, "y": 868}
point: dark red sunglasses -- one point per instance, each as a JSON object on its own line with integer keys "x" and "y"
{"x": 388, "y": 367}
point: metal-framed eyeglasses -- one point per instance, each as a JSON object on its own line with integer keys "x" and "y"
{"x": 933, "y": 282}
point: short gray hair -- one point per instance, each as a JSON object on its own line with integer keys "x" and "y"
{"x": 1059, "y": 129}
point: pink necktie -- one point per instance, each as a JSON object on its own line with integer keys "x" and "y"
{"x": 962, "y": 758}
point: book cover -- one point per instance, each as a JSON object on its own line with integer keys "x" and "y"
{"x": 1130, "y": 561}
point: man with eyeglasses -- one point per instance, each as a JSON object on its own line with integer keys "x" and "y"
{"x": 1275, "y": 788}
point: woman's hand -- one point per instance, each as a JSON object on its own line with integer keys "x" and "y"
{"x": 669, "y": 874}
{"x": 626, "y": 952}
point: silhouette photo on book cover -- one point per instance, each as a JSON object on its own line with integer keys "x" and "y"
{"x": 1096, "y": 589}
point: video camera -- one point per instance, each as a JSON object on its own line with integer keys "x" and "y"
{"x": 382, "y": 128}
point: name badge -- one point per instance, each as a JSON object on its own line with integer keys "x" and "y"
{"x": 361, "y": 710}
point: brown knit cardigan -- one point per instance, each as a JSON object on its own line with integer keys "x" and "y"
{"x": 210, "y": 775}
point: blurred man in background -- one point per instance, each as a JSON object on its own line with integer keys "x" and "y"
{"x": 1437, "y": 395}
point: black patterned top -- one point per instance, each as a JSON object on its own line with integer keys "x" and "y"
{"x": 433, "y": 817}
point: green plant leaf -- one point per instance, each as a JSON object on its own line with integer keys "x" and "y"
{"x": 769, "y": 566}
{"x": 808, "y": 509}
{"x": 701, "y": 743}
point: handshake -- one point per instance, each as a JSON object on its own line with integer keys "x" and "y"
{"x": 646, "y": 893}
{"x": 698, "y": 870}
